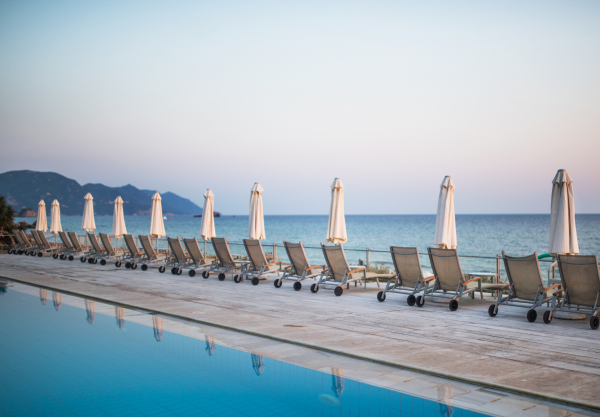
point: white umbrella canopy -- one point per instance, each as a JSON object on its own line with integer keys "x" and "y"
{"x": 445, "y": 222}
{"x": 118, "y": 226}
{"x": 55, "y": 225}
{"x": 256, "y": 223}
{"x": 41, "y": 224}
{"x": 157, "y": 226}
{"x": 207, "y": 228}
{"x": 336, "y": 228}
{"x": 563, "y": 233}
{"x": 88, "y": 223}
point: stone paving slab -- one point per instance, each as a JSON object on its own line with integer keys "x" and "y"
{"x": 560, "y": 361}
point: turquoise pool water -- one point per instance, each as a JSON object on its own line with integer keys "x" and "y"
{"x": 60, "y": 360}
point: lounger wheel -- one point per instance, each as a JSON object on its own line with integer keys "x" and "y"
{"x": 205, "y": 274}
{"x": 134, "y": 266}
{"x": 411, "y": 300}
{"x": 297, "y": 285}
{"x": 192, "y": 272}
{"x": 338, "y": 291}
{"x": 453, "y": 305}
{"x": 10, "y": 251}
{"x": 531, "y": 315}
{"x": 173, "y": 271}
{"x": 221, "y": 277}
{"x": 492, "y": 310}
{"x": 161, "y": 268}
{"x": 90, "y": 261}
{"x": 71, "y": 258}
{"x": 237, "y": 279}
{"x": 118, "y": 264}
{"x": 55, "y": 256}
{"x": 63, "y": 257}
{"x": 547, "y": 317}
{"x": 255, "y": 281}
{"x": 277, "y": 283}
{"x": 127, "y": 265}
{"x": 314, "y": 288}
{"x": 381, "y": 296}
{"x": 103, "y": 262}
{"x": 421, "y": 301}
{"x": 179, "y": 271}
{"x": 82, "y": 259}
{"x": 40, "y": 254}
{"x": 595, "y": 322}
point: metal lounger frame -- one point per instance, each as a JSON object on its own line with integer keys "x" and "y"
{"x": 224, "y": 265}
{"x": 327, "y": 278}
{"x": 249, "y": 269}
{"x": 291, "y": 272}
{"x": 397, "y": 286}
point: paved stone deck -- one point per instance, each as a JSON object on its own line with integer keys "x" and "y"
{"x": 560, "y": 361}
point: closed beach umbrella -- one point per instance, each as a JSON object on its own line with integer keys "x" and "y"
{"x": 120, "y": 316}
{"x": 41, "y": 225}
{"x": 336, "y": 228}
{"x": 157, "y": 226}
{"x": 57, "y": 300}
{"x": 207, "y": 229}
{"x": 157, "y": 324}
{"x": 210, "y": 345}
{"x": 563, "y": 234}
{"x": 90, "y": 310}
{"x": 445, "y": 222}
{"x": 55, "y": 225}
{"x": 88, "y": 223}
{"x": 258, "y": 364}
{"x": 118, "y": 227}
{"x": 256, "y": 224}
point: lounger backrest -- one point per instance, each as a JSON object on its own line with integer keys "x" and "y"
{"x": 94, "y": 241}
{"x": 106, "y": 242}
{"x": 65, "y": 240}
{"x": 131, "y": 245}
{"x": 407, "y": 264}
{"x": 19, "y": 239}
{"x": 26, "y": 238}
{"x": 44, "y": 240}
{"x": 580, "y": 278}
{"x": 524, "y": 275}
{"x": 147, "y": 246}
{"x": 37, "y": 239}
{"x": 176, "y": 248}
{"x": 194, "y": 250}
{"x": 446, "y": 268}
{"x": 336, "y": 261}
{"x": 222, "y": 250}
{"x": 255, "y": 253}
{"x": 75, "y": 240}
{"x": 297, "y": 256}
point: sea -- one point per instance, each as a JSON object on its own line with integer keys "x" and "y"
{"x": 481, "y": 235}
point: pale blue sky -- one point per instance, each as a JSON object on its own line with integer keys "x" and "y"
{"x": 389, "y": 96}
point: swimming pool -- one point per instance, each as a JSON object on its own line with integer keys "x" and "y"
{"x": 62, "y": 360}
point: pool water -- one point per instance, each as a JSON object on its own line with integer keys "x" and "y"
{"x": 61, "y": 360}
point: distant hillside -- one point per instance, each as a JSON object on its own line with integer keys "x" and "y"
{"x": 26, "y": 188}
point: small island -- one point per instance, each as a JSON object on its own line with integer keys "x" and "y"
{"x": 215, "y": 214}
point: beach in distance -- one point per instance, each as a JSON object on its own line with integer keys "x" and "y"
{"x": 480, "y": 234}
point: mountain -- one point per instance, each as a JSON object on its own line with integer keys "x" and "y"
{"x": 26, "y": 188}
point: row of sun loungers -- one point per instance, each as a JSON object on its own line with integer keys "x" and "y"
{"x": 579, "y": 289}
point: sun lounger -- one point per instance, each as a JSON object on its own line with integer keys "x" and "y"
{"x": 79, "y": 248}
{"x": 410, "y": 279}
{"x": 450, "y": 281}
{"x": 258, "y": 267}
{"x": 338, "y": 272}
{"x": 179, "y": 258}
{"x": 67, "y": 250}
{"x": 24, "y": 245}
{"x": 36, "y": 245}
{"x": 134, "y": 254}
{"x": 198, "y": 259}
{"x": 299, "y": 268}
{"x": 525, "y": 286}
{"x": 97, "y": 251}
{"x": 44, "y": 247}
{"x": 224, "y": 262}
{"x": 110, "y": 251}
{"x": 580, "y": 292}
{"x": 153, "y": 258}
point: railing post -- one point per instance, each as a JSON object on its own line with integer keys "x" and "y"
{"x": 274, "y": 252}
{"x": 498, "y": 269}
{"x": 368, "y": 264}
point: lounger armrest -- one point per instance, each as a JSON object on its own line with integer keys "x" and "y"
{"x": 356, "y": 270}
{"x": 287, "y": 267}
{"x": 558, "y": 291}
{"x": 313, "y": 267}
{"x": 552, "y": 287}
{"x": 427, "y": 279}
{"x": 273, "y": 263}
{"x": 471, "y": 280}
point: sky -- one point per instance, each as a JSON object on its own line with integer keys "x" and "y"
{"x": 389, "y": 96}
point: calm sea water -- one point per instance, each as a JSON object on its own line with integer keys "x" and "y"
{"x": 481, "y": 235}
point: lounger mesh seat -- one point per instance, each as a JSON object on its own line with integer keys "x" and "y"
{"x": 409, "y": 279}
{"x": 450, "y": 282}
{"x": 198, "y": 259}
{"x": 338, "y": 273}
{"x": 80, "y": 249}
{"x": 110, "y": 251}
{"x": 299, "y": 268}
{"x": 525, "y": 286}
{"x": 179, "y": 258}
{"x": 258, "y": 267}
{"x": 224, "y": 262}
{"x": 97, "y": 251}
{"x": 580, "y": 278}
{"x": 153, "y": 257}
